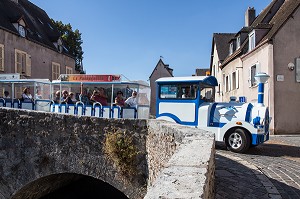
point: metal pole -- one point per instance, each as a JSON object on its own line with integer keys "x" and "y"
{"x": 112, "y": 96}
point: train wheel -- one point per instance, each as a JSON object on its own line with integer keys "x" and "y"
{"x": 237, "y": 141}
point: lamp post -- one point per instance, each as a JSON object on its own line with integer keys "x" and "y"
{"x": 261, "y": 78}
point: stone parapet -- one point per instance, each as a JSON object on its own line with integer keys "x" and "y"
{"x": 189, "y": 173}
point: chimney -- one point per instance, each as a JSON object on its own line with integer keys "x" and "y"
{"x": 249, "y": 16}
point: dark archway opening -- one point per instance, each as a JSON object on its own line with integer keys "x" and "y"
{"x": 69, "y": 186}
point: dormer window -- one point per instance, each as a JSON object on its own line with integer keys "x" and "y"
{"x": 252, "y": 40}
{"x": 22, "y": 31}
{"x": 238, "y": 42}
{"x": 231, "y": 48}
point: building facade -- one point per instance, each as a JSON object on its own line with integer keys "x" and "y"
{"x": 160, "y": 70}
{"x": 268, "y": 43}
{"x": 30, "y": 44}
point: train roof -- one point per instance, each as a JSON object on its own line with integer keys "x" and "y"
{"x": 209, "y": 80}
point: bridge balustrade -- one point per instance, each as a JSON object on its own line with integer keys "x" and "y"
{"x": 25, "y": 105}
{"x": 43, "y": 105}
{"x": 2, "y": 102}
{"x": 79, "y": 108}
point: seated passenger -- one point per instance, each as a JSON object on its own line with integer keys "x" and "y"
{"x": 72, "y": 96}
{"x": 66, "y": 98}
{"x": 99, "y": 96}
{"x": 6, "y": 95}
{"x": 119, "y": 100}
{"x": 26, "y": 96}
{"x": 84, "y": 96}
{"x": 186, "y": 93}
{"x": 57, "y": 97}
{"x": 38, "y": 95}
{"x": 132, "y": 101}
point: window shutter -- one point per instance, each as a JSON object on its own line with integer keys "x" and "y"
{"x": 53, "y": 72}
{"x": 237, "y": 79}
{"x": 231, "y": 82}
{"x": 28, "y": 65}
{"x": 18, "y": 60}
{"x": 249, "y": 77}
{"x": 258, "y": 68}
{"x": 225, "y": 85}
{"x": 23, "y": 63}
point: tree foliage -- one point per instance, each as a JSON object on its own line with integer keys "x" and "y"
{"x": 72, "y": 40}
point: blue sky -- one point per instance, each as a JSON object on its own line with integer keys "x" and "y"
{"x": 129, "y": 36}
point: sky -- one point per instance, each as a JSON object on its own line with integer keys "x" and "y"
{"x": 128, "y": 37}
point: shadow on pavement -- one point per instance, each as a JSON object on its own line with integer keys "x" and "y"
{"x": 272, "y": 150}
{"x": 235, "y": 180}
{"x": 275, "y": 150}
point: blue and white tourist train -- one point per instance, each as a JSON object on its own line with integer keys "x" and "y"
{"x": 190, "y": 101}
{"x": 184, "y": 100}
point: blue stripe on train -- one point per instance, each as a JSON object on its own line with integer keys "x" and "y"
{"x": 248, "y": 113}
{"x": 258, "y": 139}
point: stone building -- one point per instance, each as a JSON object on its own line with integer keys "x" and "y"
{"x": 160, "y": 70}
{"x": 267, "y": 43}
{"x": 30, "y": 44}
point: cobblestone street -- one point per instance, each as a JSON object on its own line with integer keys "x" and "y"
{"x": 271, "y": 170}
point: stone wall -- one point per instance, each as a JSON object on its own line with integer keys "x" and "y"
{"x": 181, "y": 161}
{"x": 36, "y": 146}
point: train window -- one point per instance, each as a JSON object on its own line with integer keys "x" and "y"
{"x": 178, "y": 91}
{"x": 207, "y": 93}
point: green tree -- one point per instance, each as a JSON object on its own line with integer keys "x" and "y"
{"x": 72, "y": 40}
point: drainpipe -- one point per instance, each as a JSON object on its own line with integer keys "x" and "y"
{"x": 261, "y": 78}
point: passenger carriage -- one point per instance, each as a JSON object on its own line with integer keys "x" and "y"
{"x": 86, "y": 84}
{"x": 40, "y": 91}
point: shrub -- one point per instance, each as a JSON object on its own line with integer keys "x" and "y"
{"x": 120, "y": 148}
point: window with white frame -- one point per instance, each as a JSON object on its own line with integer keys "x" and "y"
{"x": 69, "y": 70}
{"x": 22, "y": 63}
{"x": 55, "y": 70}
{"x": 238, "y": 42}
{"x": 1, "y": 57}
{"x": 251, "y": 40}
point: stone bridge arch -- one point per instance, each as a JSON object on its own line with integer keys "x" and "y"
{"x": 40, "y": 147}
{"x": 68, "y": 186}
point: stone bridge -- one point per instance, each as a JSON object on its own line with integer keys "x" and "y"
{"x": 42, "y": 154}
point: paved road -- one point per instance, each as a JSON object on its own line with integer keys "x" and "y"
{"x": 271, "y": 170}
